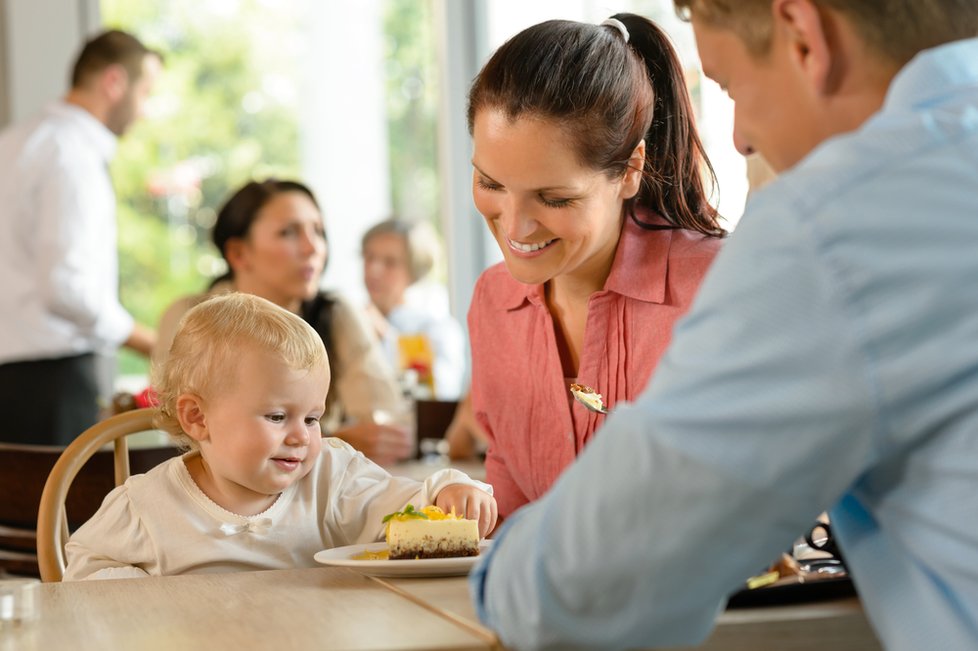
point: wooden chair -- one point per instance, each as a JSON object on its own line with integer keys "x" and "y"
{"x": 53, "y": 523}
{"x": 23, "y": 470}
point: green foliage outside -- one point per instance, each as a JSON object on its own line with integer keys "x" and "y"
{"x": 225, "y": 111}
{"x": 214, "y": 123}
{"x": 412, "y": 107}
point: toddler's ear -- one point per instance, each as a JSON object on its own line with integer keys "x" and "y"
{"x": 190, "y": 413}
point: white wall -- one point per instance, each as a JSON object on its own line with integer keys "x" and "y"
{"x": 344, "y": 131}
{"x": 39, "y": 42}
{"x": 462, "y": 49}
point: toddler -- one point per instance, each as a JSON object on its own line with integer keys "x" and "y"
{"x": 242, "y": 389}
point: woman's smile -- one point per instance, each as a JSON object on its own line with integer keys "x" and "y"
{"x": 529, "y": 249}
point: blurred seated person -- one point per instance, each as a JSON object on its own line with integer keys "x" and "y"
{"x": 272, "y": 236}
{"x": 397, "y": 254}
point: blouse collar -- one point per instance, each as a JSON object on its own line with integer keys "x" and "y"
{"x": 638, "y": 270}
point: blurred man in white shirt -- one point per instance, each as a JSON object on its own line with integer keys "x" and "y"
{"x": 59, "y": 299}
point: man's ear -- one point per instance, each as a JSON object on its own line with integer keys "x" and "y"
{"x": 807, "y": 32}
{"x": 114, "y": 82}
{"x": 632, "y": 180}
{"x": 190, "y": 414}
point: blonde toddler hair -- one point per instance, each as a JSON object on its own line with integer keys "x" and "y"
{"x": 208, "y": 340}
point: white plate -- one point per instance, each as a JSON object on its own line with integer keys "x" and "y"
{"x": 342, "y": 557}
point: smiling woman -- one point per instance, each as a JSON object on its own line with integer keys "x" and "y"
{"x": 589, "y": 178}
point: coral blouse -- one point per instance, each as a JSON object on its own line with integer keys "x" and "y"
{"x": 519, "y": 392}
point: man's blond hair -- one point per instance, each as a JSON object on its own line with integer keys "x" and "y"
{"x": 210, "y": 338}
{"x": 896, "y": 29}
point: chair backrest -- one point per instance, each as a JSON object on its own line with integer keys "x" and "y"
{"x": 23, "y": 470}
{"x": 52, "y": 518}
{"x": 433, "y": 419}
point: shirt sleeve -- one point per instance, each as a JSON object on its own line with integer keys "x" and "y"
{"x": 78, "y": 269}
{"x": 169, "y": 323}
{"x": 113, "y": 544}
{"x": 362, "y": 493}
{"x": 760, "y": 415}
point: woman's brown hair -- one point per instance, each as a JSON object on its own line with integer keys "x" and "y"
{"x": 609, "y": 94}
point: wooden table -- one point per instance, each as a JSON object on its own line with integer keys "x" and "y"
{"x": 282, "y": 610}
{"x": 449, "y": 597}
{"x": 337, "y": 608}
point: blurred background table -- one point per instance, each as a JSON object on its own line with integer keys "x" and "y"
{"x": 419, "y": 469}
{"x": 835, "y": 625}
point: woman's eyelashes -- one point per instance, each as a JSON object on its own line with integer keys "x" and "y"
{"x": 295, "y": 230}
{"x": 549, "y": 202}
{"x": 555, "y": 203}
{"x": 485, "y": 184}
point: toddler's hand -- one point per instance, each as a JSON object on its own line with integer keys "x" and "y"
{"x": 471, "y": 503}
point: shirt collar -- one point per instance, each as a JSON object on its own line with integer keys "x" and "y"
{"x": 932, "y": 73}
{"x": 638, "y": 270}
{"x": 104, "y": 141}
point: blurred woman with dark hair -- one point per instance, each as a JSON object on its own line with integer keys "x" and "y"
{"x": 271, "y": 235}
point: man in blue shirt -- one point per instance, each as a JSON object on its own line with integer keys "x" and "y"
{"x": 829, "y": 362}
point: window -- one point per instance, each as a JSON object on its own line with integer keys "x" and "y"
{"x": 355, "y": 99}
{"x": 224, "y": 111}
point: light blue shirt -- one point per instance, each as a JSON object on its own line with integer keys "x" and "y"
{"x": 830, "y": 360}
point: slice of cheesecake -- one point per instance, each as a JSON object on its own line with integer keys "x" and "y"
{"x": 430, "y": 533}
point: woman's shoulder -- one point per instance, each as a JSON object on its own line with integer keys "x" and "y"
{"x": 166, "y": 329}
{"x": 692, "y": 244}
{"x": 335, "y": 301}
{"x": 348, "y": 325}
{"x": 681, "y": 242}
{"x": 182, "y": 305}
{"x": 495, "y": 273}
{"x": 497, "y": 289}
